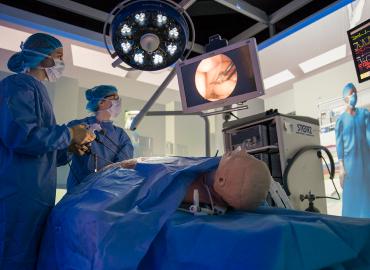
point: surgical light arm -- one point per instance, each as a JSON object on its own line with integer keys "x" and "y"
{"x": 152, "y": 100}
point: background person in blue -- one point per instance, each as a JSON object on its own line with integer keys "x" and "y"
{"x": 32, "y": 145}
{"x": 352, "y": 131}
{"x": 105, "y": 103}
{"x": 137, "y": 148}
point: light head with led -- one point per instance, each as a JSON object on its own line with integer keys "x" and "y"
{"x": 148, "y": 35}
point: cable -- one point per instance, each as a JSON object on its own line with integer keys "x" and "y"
{"x": 117, "y": 147}
{"x": 299, "y": 153}
{"x": 322, "y": 197}
{"x": 73, "y": 172}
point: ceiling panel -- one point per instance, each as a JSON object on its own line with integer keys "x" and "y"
{"x": 303, "y": 44}
{"x": 329, "y": 31}
{"x": 95, "y": 60}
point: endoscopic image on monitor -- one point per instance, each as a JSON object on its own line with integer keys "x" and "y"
{"x": 219, "y": 77}
{"x": 216, "y": 77}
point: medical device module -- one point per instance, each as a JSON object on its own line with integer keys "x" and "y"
{"x": 273, "y": 162}
{"x": 257, "y": 136}
{"x": 221, "y": 77}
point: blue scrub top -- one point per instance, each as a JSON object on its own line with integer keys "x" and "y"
{"x": 353, "y": 145}
{"x": 84, "y": 165}
{"x": 29, "y": 139}
{"x": 31, "y": 148}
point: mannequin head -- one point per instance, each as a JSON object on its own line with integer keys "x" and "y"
{"x": 242, "y": 180}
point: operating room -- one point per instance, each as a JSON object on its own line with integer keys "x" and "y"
{"x": 87, "y": 227}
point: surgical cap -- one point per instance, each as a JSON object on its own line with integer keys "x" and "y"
{"x": 136, "y": 135}
{"x": 39, "y": 42}
{"x": 96, "y": 94}
{"x": 347, "y": 89}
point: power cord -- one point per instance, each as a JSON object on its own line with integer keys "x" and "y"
{"x": 319, "y": 154}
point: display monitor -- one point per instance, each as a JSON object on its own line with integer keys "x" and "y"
{"x": 221, "y": 77}
{"x": 359, "y": 39}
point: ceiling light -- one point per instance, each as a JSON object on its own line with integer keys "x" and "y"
{"x": 324, "y": 59}
{"x": 148, "y": 34}
{"x": 279, "y": 78}
{"x": 13, "y": 38}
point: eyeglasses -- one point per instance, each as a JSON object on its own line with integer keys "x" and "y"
{"x": 114, "y": 97}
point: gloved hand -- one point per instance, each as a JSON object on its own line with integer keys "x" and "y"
{"x": 80, "y": 135}
{"x": 76, "y": 149}
{"x": 342, "y": 172}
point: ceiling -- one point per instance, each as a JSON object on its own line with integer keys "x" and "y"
{"x": 210, "y": 17}
{"x": 261, "y": 19}
{"x": 320, "y": 38}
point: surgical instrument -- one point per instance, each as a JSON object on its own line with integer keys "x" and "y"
{"x": 101, "y": 131}
{"x": 221, "y": 77}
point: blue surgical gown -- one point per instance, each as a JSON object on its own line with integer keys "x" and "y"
{"x": 353, "y": 145}
{"x": 31, "y": 148}
{"x": 84, "y": 165}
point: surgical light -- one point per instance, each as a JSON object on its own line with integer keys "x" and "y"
{"x": 126, "y": 46}
{"x": 158, "y": 59}
{"x": 148, "y": 34}
{"x": 171, "y": 49}
{"x": 174, "y": 33}
{"x": 125, "y": 29}
{"x": 140, "y": 17}
{"x": 139, "y": 58}
{"x": 161, "y": 18}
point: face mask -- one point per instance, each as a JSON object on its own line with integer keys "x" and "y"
{"x": 352, "y": 100}
{"x": 53, "y": 73}
{"x": 115, "y": 109}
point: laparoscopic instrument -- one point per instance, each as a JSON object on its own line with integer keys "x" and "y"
{"x": 96, "y": 127}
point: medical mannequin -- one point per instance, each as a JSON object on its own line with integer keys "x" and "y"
{"x": 241, "y": 181}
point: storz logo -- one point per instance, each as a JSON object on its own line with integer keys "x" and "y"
{"x": 304, "y": 130}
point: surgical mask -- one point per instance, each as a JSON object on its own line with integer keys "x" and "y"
{"x": 352, "y": 100}
{"x": 115, "y": 109}
{"x": 53, "y": 73}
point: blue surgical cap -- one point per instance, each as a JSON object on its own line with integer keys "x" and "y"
{"x": 347, "y": 89}
{"x": 136, "y": 135}
{"x": 94, "y": 95}
{"x": 39, "y": 42}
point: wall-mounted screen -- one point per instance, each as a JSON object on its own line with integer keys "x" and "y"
{"x": 219, "y": 78}
{"x": 359, "y": 39}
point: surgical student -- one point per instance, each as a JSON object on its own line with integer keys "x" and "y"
{"x": 352, "y": 131}
{"x": 32, "y": 145}
{"x": 105, "y": 103}
{"x": 136, "y": 145}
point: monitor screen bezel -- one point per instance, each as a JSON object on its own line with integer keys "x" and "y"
{"x": 228, "y": 101}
